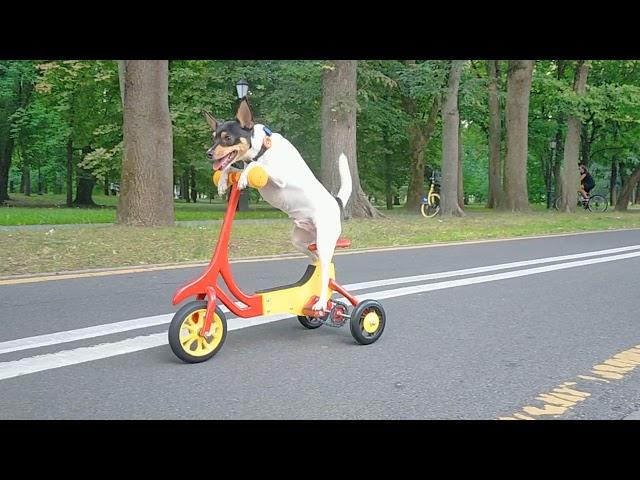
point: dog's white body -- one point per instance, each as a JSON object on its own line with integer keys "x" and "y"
{"x": 294, "y": 189}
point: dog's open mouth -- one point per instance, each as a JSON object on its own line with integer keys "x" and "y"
{"x": 225, "y": 161}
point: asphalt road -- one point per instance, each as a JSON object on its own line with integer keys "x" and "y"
{"x": 523, "y": 340}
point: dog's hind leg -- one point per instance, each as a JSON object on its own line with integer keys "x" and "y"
{"x": 301, "y": 239}
{"x": 326, "y": 245}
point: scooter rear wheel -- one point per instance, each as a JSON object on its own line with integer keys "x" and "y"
{"x": 367, "y": 321}
{"x": 309, "y": 322}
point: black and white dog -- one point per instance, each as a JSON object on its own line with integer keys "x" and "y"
{"x": 292, "y": 187}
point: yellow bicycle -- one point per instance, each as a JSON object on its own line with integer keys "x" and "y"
{"x": 430, "y": 203}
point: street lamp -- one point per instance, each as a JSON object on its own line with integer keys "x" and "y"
{"x": 548, "y": 173}
{"x": 242, "y": 87}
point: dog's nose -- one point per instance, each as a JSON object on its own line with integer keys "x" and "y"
{"x": 210, "y": 153}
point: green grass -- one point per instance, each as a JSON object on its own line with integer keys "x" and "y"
{"x": 27, "y": 251}
{"x": 50, "y": 210}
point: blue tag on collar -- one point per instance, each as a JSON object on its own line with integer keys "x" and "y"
{"x": 267, "y": 131}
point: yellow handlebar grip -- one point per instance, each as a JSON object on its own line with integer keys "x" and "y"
{"x": 258, "y": 177}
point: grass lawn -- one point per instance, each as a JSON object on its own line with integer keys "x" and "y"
{"x": 50, "y": 210}
{"x": 25, "y": 251}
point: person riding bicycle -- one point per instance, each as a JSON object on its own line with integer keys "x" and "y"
{"x": 586, "y": 182}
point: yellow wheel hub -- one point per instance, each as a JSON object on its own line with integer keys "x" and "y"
{"x": 192, "y": 342}
{"x": 371, "y": 322}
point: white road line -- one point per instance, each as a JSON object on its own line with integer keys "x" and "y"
{"x": 498, "y": 276}
{"x": 66, "y": 358}
{"x": 82, "y": 333}
{"x": 86, "y": 354}
{"x": 489, "y": 268}
{"x": 144, "y": 322}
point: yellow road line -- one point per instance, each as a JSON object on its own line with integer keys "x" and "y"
{"x": 562, "y": 398}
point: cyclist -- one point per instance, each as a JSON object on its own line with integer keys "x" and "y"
{"x": 586, "y": 182}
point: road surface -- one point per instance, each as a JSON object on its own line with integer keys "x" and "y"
{"x": 545, "y": 328}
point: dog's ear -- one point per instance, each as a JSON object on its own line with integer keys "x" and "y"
{"x": 211, "y": 121}
{"x": 244, "y": 115}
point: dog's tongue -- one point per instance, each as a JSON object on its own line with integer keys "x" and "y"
{"x": 216, "y": 165}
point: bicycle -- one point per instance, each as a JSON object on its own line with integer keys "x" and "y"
{"x": 595, "y": 203}
{"x": 430, "y": 203}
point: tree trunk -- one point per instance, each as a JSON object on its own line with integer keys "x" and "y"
{"x": 184, "y": 186}
{"x": 572, "y": 145}
{"x": 339, "y": 109}
{"x": 585, "y": 141}
{"x": 388, "y": 174}
{"x": 613, "y": 180}
{"x": 25, "y": 182}
{"x": 557, "y": 164}
{"x": 194, "y": 192}
{"x": 495, "y": 168}
{"x": 516, "y": 197}
{"x": 420, "y": 133}
{"x": 450, "y": 123}
{"x": 6, "y": 151}
{"x": 69, "y": 172}
{"x": 637, "y": 199}
{"x": 627, "y": 188}
{"x": 84, "y": 188}
{"x": 547, "y": 164}
{"x": 146, "y": 189}
{"x": 106, "y": 186}
{"x": 85, "y": 181}
{"x": 460, "y": 162}
{"x": 18, "y": 97}
{"x": 388, "y": 192}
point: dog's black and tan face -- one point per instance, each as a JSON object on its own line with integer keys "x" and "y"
{"x": 231, "y": 140}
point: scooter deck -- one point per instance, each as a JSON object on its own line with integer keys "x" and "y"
{"x": 293, "y": 298}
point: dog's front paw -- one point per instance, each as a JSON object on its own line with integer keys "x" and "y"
{"x": 223, "y": 186}
{"x": 243, "y": 181}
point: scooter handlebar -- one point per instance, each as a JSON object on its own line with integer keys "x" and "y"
{"x": 257, "y": 177}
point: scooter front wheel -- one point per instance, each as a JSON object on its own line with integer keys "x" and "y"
{"x": 184, "y": 333}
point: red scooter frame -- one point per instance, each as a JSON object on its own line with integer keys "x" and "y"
{"x": 207, "y": 284}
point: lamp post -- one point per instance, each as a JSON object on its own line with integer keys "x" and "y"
{"x": 242, "y": 88}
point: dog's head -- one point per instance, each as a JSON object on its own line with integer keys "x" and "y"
{"x": 231, "y": 140}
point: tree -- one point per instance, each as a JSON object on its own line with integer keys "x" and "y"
{"x": 16, "y": 86}
{"x": 519, "y": 76}
{"x": 146, "y": 189}
{"x": 495, "y": 134}
{"x": 572, "y": 145}
{"x": 421, "y": 102}
{"x": 627, "y": 189}
{"x": 339, "y": 108}
{"x": 450, "y": 159}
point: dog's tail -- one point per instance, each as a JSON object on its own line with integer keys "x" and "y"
{"x": 345, "y": 179}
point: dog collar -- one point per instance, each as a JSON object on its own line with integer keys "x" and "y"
{"x": 266, "y": 144}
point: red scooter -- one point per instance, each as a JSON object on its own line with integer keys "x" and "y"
{"x": 199, "y": 328}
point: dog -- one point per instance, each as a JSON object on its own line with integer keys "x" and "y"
{"x": 291, "y": 187}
